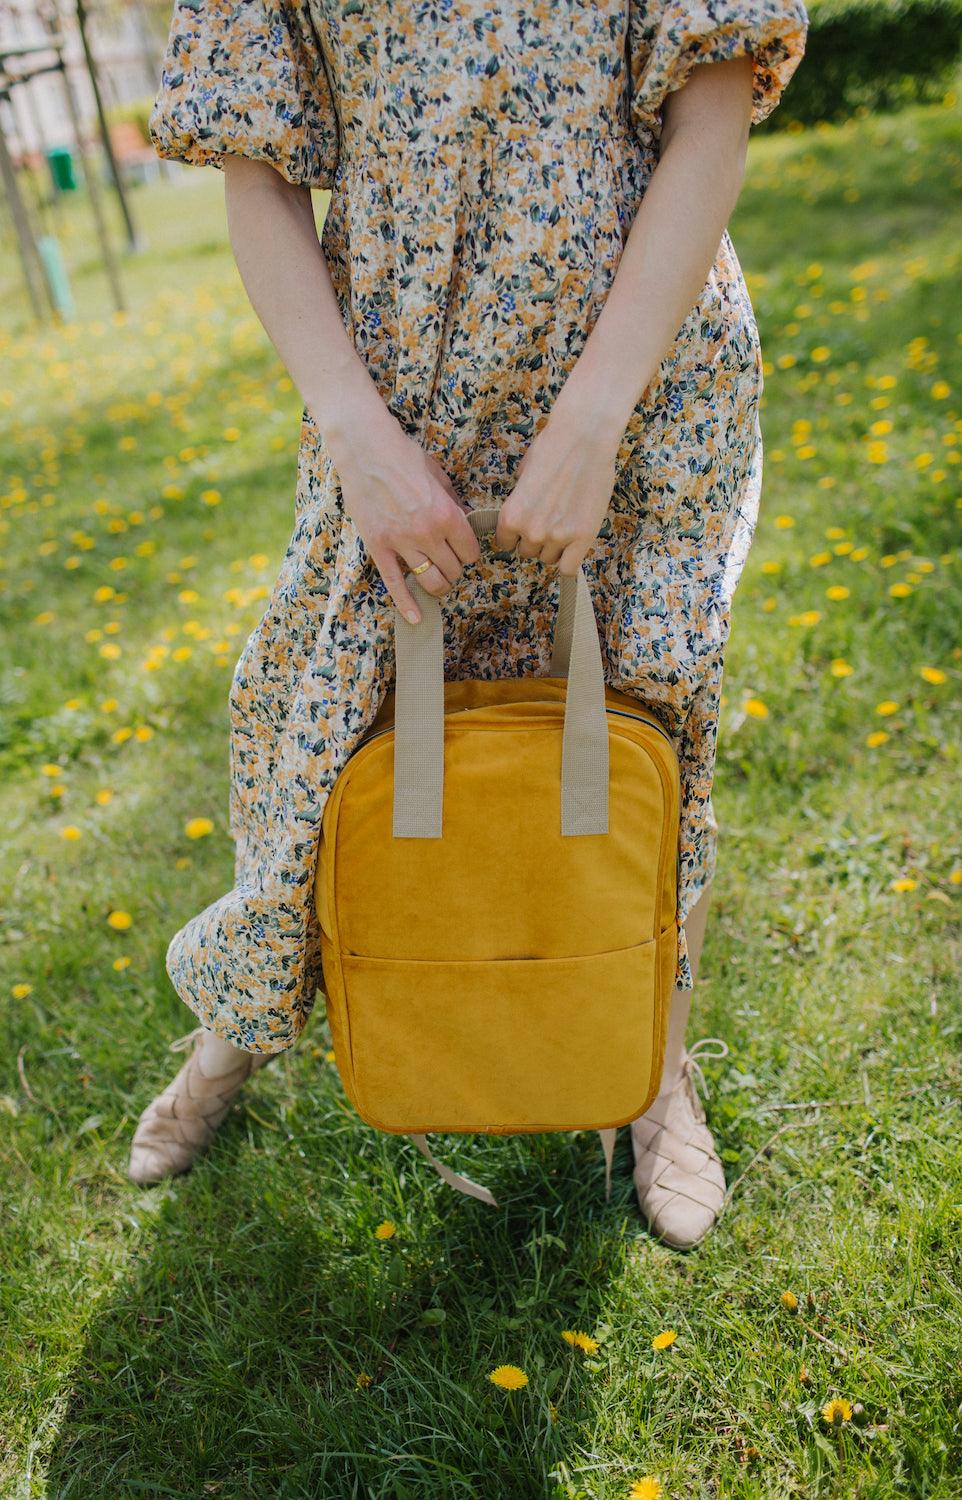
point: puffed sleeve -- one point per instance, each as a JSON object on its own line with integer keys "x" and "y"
{"x": 247, "y": 78}
{"x": 667, "y": 39}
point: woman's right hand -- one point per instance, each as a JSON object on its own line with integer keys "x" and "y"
{"x": 402, "y": 502}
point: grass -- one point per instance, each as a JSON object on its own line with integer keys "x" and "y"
{"x": 206, "y": 1337}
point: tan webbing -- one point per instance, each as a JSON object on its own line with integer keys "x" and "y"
{"x": 454, "y": 1179}
{"x": 419, "y": 709}
{"x": 608, "y": 1147}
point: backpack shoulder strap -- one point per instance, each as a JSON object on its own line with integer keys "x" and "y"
{"x": 453, "y": 1179}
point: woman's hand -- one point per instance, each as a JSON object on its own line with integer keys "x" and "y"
{"x": 564, "y": 486}
{"x": 400, "y": 499}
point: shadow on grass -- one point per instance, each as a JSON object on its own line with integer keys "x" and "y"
{"x": 227, "y": 1363}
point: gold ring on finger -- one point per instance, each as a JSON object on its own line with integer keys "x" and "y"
{"x": 422, "y": 567}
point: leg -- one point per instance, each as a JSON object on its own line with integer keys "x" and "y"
{"x": 678, "y": 1176}
{"x": 180, "y": 1123}
{"x": 681, "y": 999}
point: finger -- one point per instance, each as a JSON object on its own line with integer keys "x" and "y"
{"x": 571, "y": 558}
{"x": 463, "y": 540}
{"x": 506, "y": 536}
{"x": 391, "y": 571}
{"x": 551, "y": 553}
{"x": 432, "y": 580}
{"x": 531, "y": 548}
{"x": 446, "y": 560}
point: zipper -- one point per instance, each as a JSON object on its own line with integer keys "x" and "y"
{"x": 622, "y": 713}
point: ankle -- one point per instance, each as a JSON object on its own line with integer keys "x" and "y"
{"x": 216, "y": 1056}
{"x": 671, "y": 1075}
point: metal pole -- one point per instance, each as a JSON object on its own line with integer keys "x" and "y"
{"x": 29, "y": 255}
{"x": 93, "y": 188}
{"x": 133, "y": 242}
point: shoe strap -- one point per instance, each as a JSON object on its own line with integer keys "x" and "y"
{"x": 183, "y": 1042}
{"x": 700, "y": 1049}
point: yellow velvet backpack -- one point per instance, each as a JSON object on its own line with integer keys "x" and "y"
{"x": 497, "y": 895}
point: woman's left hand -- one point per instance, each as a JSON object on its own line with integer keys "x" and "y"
{"x": 563, "y": 490}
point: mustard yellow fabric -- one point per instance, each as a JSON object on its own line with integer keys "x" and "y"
{"x": 503, "y": 978}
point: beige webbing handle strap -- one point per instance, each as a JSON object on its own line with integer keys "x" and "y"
{"x": 608, "y": 1147}
{"x": 454, "y": 1179}
{"x": 419, "y": 709}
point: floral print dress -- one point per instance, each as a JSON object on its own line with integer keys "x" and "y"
{"x": 485, "y": 160}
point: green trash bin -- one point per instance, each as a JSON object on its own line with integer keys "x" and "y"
{"x": 62, "y": 171}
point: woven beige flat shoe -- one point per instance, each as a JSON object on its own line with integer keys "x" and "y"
{"x": 678, "y": 1176}
{"x": 181, "y": 1122}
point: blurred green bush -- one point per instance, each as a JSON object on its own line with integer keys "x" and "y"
{"x": 872, "y": 55}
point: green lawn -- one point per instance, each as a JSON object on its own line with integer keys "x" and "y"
{"x": 207, "y": 1337}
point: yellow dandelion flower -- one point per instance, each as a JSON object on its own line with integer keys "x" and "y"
{"x": 838, "y": 1411}
{"x": 819, "y": 559}
{"x": 887, "y": 706}
{"x": 784, "y": 522}
{"x": 198, "y": 828}
{"x": 956, "y": 877}
{"x": 329, "y": 1055}
{"x": 755, "y": 708}
{"x": 807, "y": 617}
{"x": 363, "y": 1381}
{"x": 663, "y": 1340}
{"x": 837, "y": 591}
{"x": 932, "y": 674}
{"x": 108, "y": 706}
{"x": 120, "y": 920}
{"x": 51, "y": 770}
{"x": 120, "y": 964}
{"x": 835, "y": 533}
{"x": 143, "y": 732}
{"x": 385, "y": 1230}
{"x": 646, "y": 1488}
{"x": 900, "y": 590}
{"x": 210, "y": 497}
{"x": 905, "y": 884}
{"x": 876, "y": 738}
{"x": 110, "y": 651}
{"x": 104, "y": 796}
{"x": 841, "y": 668}
{"x": 771, "y": 566}
{"x": 790, "y": 1301}
{"x": 71, "y": 833}
{"x": 21, "y": 991}
{"x": 940, "y": 390}
{"x": 580, "y": 1340}
{"x": 508, "y": 1377}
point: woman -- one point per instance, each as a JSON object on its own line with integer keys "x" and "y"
{"x": 524, "y": 295}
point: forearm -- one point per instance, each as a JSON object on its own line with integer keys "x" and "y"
{"x": 275, "y": 243}
{"x": 669, "y": 252}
